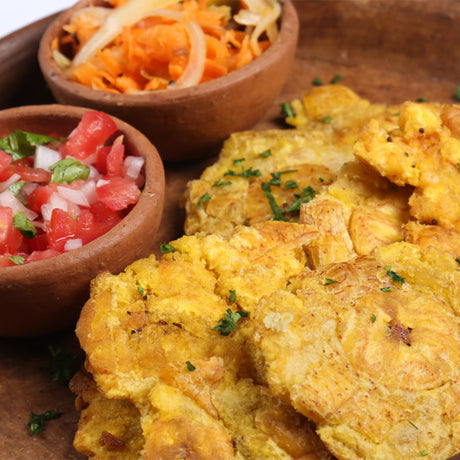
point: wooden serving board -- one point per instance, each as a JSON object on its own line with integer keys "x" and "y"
{"x": 386, "y": 50}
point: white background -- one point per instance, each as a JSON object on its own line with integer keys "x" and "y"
{"x": 15, "y": 14}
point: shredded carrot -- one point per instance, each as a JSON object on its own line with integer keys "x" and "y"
{"x": 154, "y": 53}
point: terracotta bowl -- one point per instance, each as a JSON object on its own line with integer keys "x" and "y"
{"x": 46, "y": 296}
{"x": 185, "y": 124}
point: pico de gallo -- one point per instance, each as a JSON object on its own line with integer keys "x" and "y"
{"x": 58, "y": 194}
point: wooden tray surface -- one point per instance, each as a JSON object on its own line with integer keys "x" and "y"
{"x": 386, "y": 50}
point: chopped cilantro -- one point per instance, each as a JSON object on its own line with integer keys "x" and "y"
{"x": 21, "y": 144}
{"x": 329, "y": 281}
{"x": 386, "y": 289}
{"x": 24, "y": 225}
{"x": 424, "y": 453}
{"x": 37, "y": 421}
{"x": 65, "y": 364}
{"x": 238, "y": 161}
{"x": 221, "y": 183}
{"x": 16, "y": 187}
{"x": 190, "y": 366}
{"x": 266, "y": 153}
{"x": 457, "y": 93}
{"x": 336, "y": 79}
{"x": 290, "y": 184}
{"x": 232, "y": 296}
{"x": 276, "y": 176}
{"x": 277, "y": 212}
{"x": 394, "y": 276}
{"x": 305, "y": 196}
{"x": 317, "y": 81}
{"x": 421, "y": 99}
{"x": 286, "y": 110}
{"x": 458, "y": 260}
{"x": 140, "y": 288}
{"x": 68, "y": 170}
{"x": 18, "y": 260}
{"x": 327, "y": 119}
{"x": 166, "y": 248}
{"x": 229, "y": 322}
{"x": 373, "y": 318}
{"x": 206, "y": 197}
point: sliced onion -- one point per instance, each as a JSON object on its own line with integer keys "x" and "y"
{"x": 89, "y": 190}
{"x": 266, "y": 23}
{"x": 7, "y": 199}
{"x": 130, "y": 13}
{"x": 102, "y": 182}
{"x": 4, "y": 185}
{"x": 45, "y": 157}
{"x": 73, "y": 243}
{"x": 94, "y": 174}
{"x": 133, "y": 166}
{"x": 73, "y": 196}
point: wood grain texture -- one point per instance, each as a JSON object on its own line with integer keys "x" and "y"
{"x": 386, "y": 50}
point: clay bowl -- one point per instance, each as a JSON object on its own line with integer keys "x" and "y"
{"x": 46, "y": 296}
{"x": 185, "y": 124}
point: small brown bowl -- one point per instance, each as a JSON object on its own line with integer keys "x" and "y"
{"x": 46, "y": 296}
{"x": 185, "y": 124}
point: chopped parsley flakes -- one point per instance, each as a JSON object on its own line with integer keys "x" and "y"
{"x": 286, "y": 110}
{"x": 229, "y": 322}
{"x": 140, "y": 288}
{"x": 205, "y": 198}
{"x": 277, "y": 212}
{"x": 24, "y": 225}
{"x": 329, "y": 281}
{"x": 65, "y": 363}
{"x": 394, "y": 276}
{"x": 190, "y": 366}
{"x": 266, "y": 153}
{"x": 166, "y": 248}
{"x": 232, "y": 296}
{"x": 221, "y": 183}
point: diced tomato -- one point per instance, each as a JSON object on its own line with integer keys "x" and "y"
{"x": 30, "y": 174}
{"x": 39, "y": 243}
{"x": 118, "y": 192}
{"x": 115, "y": 160}
{"x": 5, "y": 161}
{"x": 101, "y": 160}
{"x": 62, "y": 227}
{"x": 5, "y": 261}
{"x": 40, "y": 196}
{"x": 101, "y": 221}
{"x": 94, "y": 129}
{"x": 40, "y": 255}
{"x": 10, "y": 237}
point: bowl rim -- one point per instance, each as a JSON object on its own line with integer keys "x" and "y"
{"x": 288, "y": 31}
{"x": 154, "y": 187}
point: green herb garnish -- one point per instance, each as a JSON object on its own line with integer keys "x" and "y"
{"x": 166, "y": 248}
{"x": 286, "y": 110}
{"x": 336, "y": 79}
{"x": 386, "y": 289}
{"x": 244, "y": 172}
{"x": 317, "y": 81}
{"x": 329, "y": 281}
{"x": 266, "y": 153}
{"x": 205, "y": 198}
{"x": 457, "y": 93}
{"x": 65, "y": 364}
{"x": 457, "y": 260}
{"x": 238, "y": 161}
{"x": 394, "y": 276}
{"x": 421, "y": 99}
{"x": 424, "y": 453}
{"x": 276, "y": 176}
{"x": 229, "y": 322}
{"x": 16, "y": 187}
{"x": 140, "y": 288}
{"x": 290, "y": 184}
{"x": 17, "y": 260}
{"x": 68, "y": 170}
{"x": 373, "y": 318}
{"x": 413, "y": 424}
{"x": 277, "y": 212}
{"x": 327, "y": 119}
{"x": 221, "y": 183}
{"x": 37, "y": 421}
{"x": 190, "y": 366}
{"x": 24, "y": 225}
{"x": 21, "y": 144}
{"x": 232, "y": 296}
{"x": 305, "y": 196}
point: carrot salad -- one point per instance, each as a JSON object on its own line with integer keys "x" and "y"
{"x": 147, "y": 45}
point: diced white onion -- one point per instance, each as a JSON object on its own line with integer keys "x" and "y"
{"x": 7, "y": 199}
{"x": 57, "y": 201}
{"x": 102, "y": 182}
{"x": 133, "y": 166}
{"x": 94, "y": 174}
{"x": 29, "y": 187}
{"x": 89, "y": 190}
{"x": 73, "y": 243}
{"x": 73, "y": 196}
{"x": 45, "y": 157}
{"x": 4, "y": 185}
